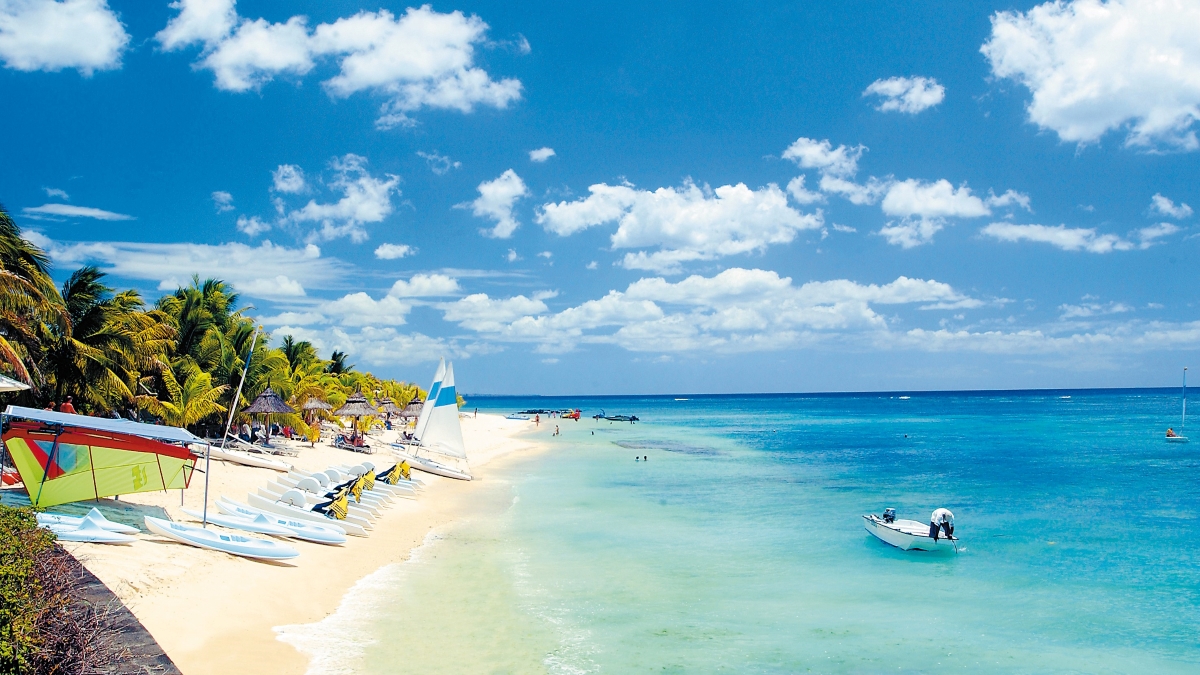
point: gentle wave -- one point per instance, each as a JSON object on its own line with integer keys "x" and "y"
{"x": 335, "y": 645}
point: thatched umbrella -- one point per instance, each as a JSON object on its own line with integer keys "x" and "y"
{"x": 269, "y": 403}
{"x": 314, "y": 404}
{"x": 413, "y": 409}
{"x": 356, "y": 407}
{"x": 389, "y": 406}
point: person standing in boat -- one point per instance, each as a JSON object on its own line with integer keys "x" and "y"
{"x": 941, "y": 520}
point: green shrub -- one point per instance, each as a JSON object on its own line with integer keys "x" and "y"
{"x": 47, "y": 627}
{"x": 22, "y": 543}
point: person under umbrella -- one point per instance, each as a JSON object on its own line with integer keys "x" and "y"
{"x": 356, "y": 407}
{"x": 269, "y": 403}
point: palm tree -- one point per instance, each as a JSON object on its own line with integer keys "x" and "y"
{"x": 107, "y": 345}
{"x": 298, "y": 353}
{"x": 337, "y": 363}
{"x": 192, "y": 397}
{"x": 198, "y": 309}
{"x": 28, "y": 302}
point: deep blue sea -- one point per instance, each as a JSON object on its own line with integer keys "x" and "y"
{"x": 739, "y": 547}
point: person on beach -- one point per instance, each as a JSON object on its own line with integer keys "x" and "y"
{"x": 555, "y": 429}
{"x": 941, "y": 520}
{"x": 67, "y": 406}
{"x": 537, "y": 420}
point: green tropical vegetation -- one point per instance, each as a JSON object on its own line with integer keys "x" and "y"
{"x": 177, "y": 361}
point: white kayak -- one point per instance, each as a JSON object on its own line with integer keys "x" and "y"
{"x": 296, "y": 529}
{"x": 430, "y": 466}
{"x": 89, "y": 532}
{"x": 907, "y": 535}
{"x": 259, "y": 524}
{"x": 305, "y": 515}
{"x": 235, "y": 544}
{"x": 94, "y": 516}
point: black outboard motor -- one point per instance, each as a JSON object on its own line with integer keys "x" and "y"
{"x": 889, "y": 515}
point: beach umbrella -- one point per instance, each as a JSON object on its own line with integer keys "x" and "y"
{"x": 389, "y": 406}
{"x": 9, "y": 384}
{"x": 269, "y": 403}
{"x": 315, "y": 404}
{"x": 413, "y": 409}
{"x": 356, "y": 407}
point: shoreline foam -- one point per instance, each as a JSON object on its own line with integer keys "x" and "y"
{"x": 216, "y": 613}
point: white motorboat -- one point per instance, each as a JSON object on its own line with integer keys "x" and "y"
{"x": 235, "y": 544}
{"x": 320, "y": 534}
{"x": 908, "y": 535}
{"x": 58, "y": 520}
{"x": 88, "y": 531}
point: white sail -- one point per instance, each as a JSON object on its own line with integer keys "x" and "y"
{"x": 427, "y": 407}
{"x": 443, "y": 432}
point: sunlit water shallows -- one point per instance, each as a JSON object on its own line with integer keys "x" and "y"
{"x": 738, "y": 547}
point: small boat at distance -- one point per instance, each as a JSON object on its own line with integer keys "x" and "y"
{"x": 1173, "y": 437}
{"x": 907, "y": 535}
{"x": 518, "y": 416}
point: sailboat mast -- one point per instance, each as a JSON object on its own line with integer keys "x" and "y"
{"x": 232, "y": 409}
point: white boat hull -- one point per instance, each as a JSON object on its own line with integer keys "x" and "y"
{"x": 239, "y": 523}
{"x": 328, "y": 533}
{"x": 272, "y": 506}
{"x": 235, "y": 544}
{"x": 247, "y": 459}
{"x": 907, "y": 535}
{"x": 1177, "y": 439}
{"x": 432, "y": 467}
{"x": 88, "y": 532}
{"x": 60, "y": 521}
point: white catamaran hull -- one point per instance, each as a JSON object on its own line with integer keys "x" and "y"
{"x": 249, "y": 547}
{"x": 431, "y": 467}
{"x": 907, "y": 535}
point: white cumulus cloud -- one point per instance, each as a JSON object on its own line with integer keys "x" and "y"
{"x": 686, "y": 224}
{"x": 289, "y": 178}
{"x": 541, "y": 154}
{"x": 496, "y": 200}
{"x": 425, "y": 286}
{"x": 53, "y": 35}
{"x": 1093, "y": 67}
{"x": 365, "y": 199}
{"x": 252, "y": 226}
{"x": 393, "y": 251}
{"x": 419, "y": 59}
{"x": 1166, "y": 207}
{"x": 735, "y": 310}
{"x": 906, "y": 94}
{"x": 223, "y": 201}
{"x": 439, "y": 164}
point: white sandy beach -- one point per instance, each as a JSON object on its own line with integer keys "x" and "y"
{"x": 214, "y": 613}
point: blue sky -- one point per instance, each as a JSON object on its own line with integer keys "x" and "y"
{"x": 739, "y": 197}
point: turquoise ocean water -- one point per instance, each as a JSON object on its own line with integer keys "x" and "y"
{"x": 739, "y": 546}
